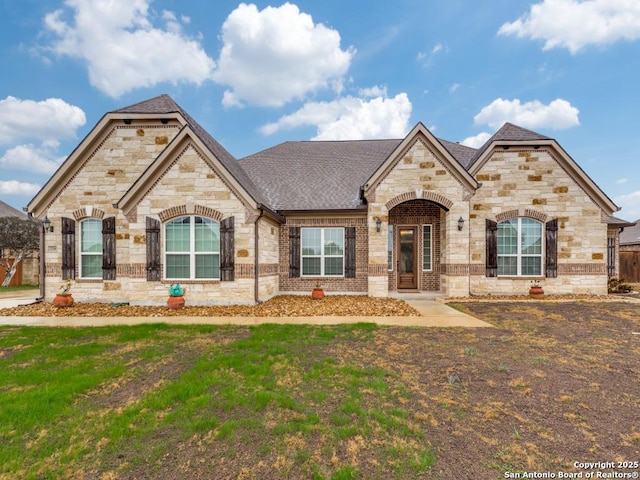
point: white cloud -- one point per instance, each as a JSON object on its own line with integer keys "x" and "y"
{"x": 375, "y": 91}
{"x": 574, "y": 24}
{"x": 42, "y": 160}
{"x": 13, "y": 187}
{"x": 476, "y": 141}
{"x": 275, "y": 55}
{"x": 557, "y": 115}
{"x": 630, "y": 205}
{"x": 351, "y": 118}
{"x": 621, "y": 181}
{"x": 454, "y": 87}
{"x": 50, "y": 119}
{"x": 122, "y": 48}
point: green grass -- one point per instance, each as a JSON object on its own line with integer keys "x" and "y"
{"x": 17, "y": 288}
{"x": 79, "y": 401}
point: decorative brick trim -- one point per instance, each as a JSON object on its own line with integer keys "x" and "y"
{"x": 426, "y": 195}
{"x": 181, "y": 210}
{"x": 376, "y": 270}
{"x": 209, "y": 213}
{"x": 244, "y": 270}
{"x": 82, "y": 213}
{"x": 477, "y": 270}
{"x": 527, "y": 212}
{"x": 172, "y": 212}
{"x": 454, "y": 269}
{"x": 131, "y": 270}
{"x": 269, "y": 269}
{"x": 582, "y": 269}
{"x": 53, "y": 269}
{"x": 327, "y": 222}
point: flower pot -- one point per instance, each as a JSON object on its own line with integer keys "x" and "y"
{"x": 317, "y": 293}
{"x": 175, "y": 302}
{"x": 536, "y": 292}
{"x": 62, "y": 300}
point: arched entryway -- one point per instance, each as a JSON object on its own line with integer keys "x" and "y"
{"x": 415, "y": 239}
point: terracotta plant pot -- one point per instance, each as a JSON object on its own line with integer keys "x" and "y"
{"x": 62, "y": 300}
{"x": 536, "y": 292}
{"x": 175, "y": 302}
{"x": 317, "y": 293}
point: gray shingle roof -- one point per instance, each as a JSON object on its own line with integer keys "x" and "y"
{"x": 316, "y": 175}
{"x": 7, "y": 210}
{"x": 631, "y": 235}
{"x": 164, "y": 104}
{"x": 508, "y": 132}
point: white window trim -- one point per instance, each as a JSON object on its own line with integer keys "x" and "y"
{"x": 430, "y": 247}
{"x": 518, "y": 255}
{"x": 192, "y": 250}
{"x": 86, "y": 254}
{"x": 322, "y": 255}
{"x": 390, "y": 248}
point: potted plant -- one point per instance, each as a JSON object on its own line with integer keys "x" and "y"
{"x": 317, "y": 292}
{"x": 176, "y": 297}
{"x": 64, "y": 298}
{"x": 536, "y": 290}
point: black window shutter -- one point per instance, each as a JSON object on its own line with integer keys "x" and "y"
{"x": 294, "y": 252}
{"x": 153, "y": 250}
{"x": 350, "y": 252}
{"x": 552, "y": 248}
{"x": 492, "y": 248}
{"x": 109, "y": 248}
{"x": 68, "y": 248}
{"x": 227, "y": 250}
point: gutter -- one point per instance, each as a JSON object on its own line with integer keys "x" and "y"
{"x": 41, "y": 272}
{"x": 256, "y": 252}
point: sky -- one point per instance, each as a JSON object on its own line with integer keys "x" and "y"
{"x": 258, "y": 74}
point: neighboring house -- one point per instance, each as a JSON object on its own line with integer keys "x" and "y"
{"x": 149, "y": 198}
{"x": 27, "y": 270}
{"x": 630, "y": 253}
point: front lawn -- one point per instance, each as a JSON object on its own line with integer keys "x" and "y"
{"x": 551, "y": 385}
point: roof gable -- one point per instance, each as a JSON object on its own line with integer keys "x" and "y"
{"x": 420, "y": 132}
{"x": 513, "y": 136}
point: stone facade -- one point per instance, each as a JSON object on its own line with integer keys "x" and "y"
{"x": 532, "y": 183}
{"x": 142, "y": 168}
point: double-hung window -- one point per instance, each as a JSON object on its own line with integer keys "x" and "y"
{"x": 192, "y": 248}
{"x": 91, "y": 248}
{"x": 322, "y": 252}
{"x": 520, "y": 247}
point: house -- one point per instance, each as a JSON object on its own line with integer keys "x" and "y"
{"x": 148, "y": 198}
{"x": 27, "y": 270}
{"x": 630, "y": 253}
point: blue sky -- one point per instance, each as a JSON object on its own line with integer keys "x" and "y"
{"x": 257, "y": 74}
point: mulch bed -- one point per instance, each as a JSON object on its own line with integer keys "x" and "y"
{"x": 280, "y": 306}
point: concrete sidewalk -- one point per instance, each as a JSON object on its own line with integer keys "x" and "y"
{"x": 18, "y": 297}
{"x": 434, "y": 314}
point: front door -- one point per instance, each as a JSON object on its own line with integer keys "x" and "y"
{"x": 407, "y": 256}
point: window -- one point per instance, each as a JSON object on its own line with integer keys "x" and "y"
{"x": 192, "y": 248}
{"x": 91, "y": 248}
{"x": 519, "y": 247}
{"x": 322, "y": 252}
{"x": 390, "y": 247}
{"x": 426, "y": 247}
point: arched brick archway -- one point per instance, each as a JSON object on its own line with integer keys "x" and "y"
{"x": 441, "y": 200}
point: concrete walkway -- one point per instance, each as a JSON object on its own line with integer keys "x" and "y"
{"x": 433, "y": 314}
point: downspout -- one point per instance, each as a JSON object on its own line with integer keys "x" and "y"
{"x": 256, "y": 263}
{"x": 41, "y": 272}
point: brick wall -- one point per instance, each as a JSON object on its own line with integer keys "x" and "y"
{"x": 419, "y": 213}
{"x": 329, "y": 284}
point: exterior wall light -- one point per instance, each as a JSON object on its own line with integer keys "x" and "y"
{"x": 460, "y": 224}
{"x": 46, "y": 223}
{"x": 378, "y": 224}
